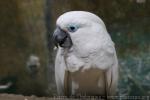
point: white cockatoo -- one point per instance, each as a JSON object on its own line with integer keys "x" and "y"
{"x": 86, "y": 61}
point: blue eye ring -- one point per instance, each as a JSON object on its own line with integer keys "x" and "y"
{"x": 72, "y": 28}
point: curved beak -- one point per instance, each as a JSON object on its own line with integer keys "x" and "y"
{"x": 61, "y": 38}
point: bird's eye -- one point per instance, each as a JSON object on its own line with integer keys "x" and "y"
{"x": 72, "y": 28}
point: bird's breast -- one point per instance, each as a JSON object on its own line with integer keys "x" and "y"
{"x": 88, "y": 82}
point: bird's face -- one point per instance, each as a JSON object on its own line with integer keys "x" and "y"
{"x": 72, "y": 25}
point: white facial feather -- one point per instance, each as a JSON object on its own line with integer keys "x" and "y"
{"x": 78, "y": 17}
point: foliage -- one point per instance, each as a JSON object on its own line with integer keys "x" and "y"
{"x": 135, "y": 75}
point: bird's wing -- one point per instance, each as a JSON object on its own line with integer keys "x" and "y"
{"x": 107, "y": 61}
{"x": 112, "y": 74}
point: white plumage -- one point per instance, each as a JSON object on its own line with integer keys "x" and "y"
{"x": 92, "y": 50}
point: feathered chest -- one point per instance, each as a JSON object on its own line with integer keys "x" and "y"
{"x": 87, "y": 82}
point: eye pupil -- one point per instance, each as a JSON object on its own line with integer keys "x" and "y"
{"x": 72, "y": 28}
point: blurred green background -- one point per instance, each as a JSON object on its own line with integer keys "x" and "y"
{"x": 27, "y": 55}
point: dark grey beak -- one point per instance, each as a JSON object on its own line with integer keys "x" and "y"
{"x": 62, "y": 38}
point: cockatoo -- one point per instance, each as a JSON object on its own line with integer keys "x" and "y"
{"x": 86, "y": 61}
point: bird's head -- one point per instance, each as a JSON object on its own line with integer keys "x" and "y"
{"x": 73, "y": 25}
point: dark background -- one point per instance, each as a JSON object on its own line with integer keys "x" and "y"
{"x": 26, "y": 27}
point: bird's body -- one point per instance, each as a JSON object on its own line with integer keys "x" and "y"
{"x": 86, "y": 61}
